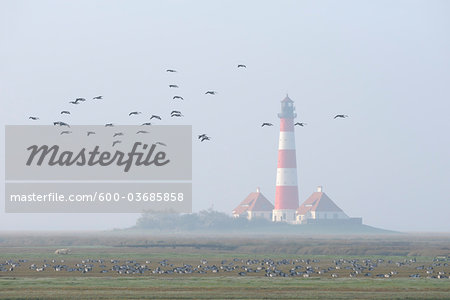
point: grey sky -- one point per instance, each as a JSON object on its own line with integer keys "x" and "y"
{"x": 384, "y": 63}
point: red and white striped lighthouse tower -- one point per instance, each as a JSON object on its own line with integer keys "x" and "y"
{"x": 286, "y": 194}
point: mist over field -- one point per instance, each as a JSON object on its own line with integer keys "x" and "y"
{"x": 384, "y": 63}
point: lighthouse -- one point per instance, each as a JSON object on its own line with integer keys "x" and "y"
{"x": 286, "y": 194}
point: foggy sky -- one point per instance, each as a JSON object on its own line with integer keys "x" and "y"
{"x": 384, "y": 63}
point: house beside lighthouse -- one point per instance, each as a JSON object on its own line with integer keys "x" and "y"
{"x": 319, "y": 208}
{"x": 254, "y": 206}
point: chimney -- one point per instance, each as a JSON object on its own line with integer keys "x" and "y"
{"x": 257, "y": 190}
{"x": 319, "y": 189}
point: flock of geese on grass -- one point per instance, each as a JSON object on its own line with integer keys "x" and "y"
{"x": 174, "y": 114}
{"x": 308, "y": 267}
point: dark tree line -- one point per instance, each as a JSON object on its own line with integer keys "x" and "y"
{"x": 203, "y": 220}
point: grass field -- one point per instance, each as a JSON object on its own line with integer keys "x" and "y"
{"x": 24, "y": 282}
{"x": 222, "y": 288}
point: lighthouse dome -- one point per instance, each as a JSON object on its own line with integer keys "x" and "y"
{"x": 287, "y": 99}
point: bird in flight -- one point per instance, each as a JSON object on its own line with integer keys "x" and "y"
{"x": 90, "y": 132}
{"x": 80, "y": 99}
{"x": 141, "y": 131}
{"x": 146, "y": 124}
{"x": 61, "y": 124}
{"x": 205, "y": 138}
{"x": 173, "y": 86}
{"x": 178, "y": 97}
{"x": 65, "y": 132}
{"x": 242, "y": 66}
{"x": 340, "y": 116}
{"x": 266, "y": 124}
{"x": 211, "y": 93}
{"x": 171, "y": 70}
{"x": 34, "y": 118}
{"x": 175, "y": 112}
{"x": 300, "y": 124}
{"x": 66, "y": 112}
{"x": 117, "y": 134}
{"x": 98, "y": 97}
{"x": 202, "y": 135}
{"x": 116, "y": 142}
{"x": 159, "y": 143}
{"x": 74, "y": 102}
{"x": 176, "y": 115}
{"x": 135, "y": 113}
{"x": 156, "y": 117}
{"x": 109, "y": 125}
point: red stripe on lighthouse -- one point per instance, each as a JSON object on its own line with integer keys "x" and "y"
{"x": 286, "y": 197}
{"x": 287, "y": 159}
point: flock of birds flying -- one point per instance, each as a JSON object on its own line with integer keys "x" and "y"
{"x": 174, "y": 114}
{"x": 77, "y": 101}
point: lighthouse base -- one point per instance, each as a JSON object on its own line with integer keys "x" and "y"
{"x": 284, "y": 215}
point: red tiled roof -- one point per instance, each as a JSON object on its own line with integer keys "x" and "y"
{"x": 318, "y": 201}
{"x": 254, "y": 202}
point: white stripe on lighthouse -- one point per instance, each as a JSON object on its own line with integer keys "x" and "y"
{"x": 287, "y": 177}
{"x": 287, "y": 140}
